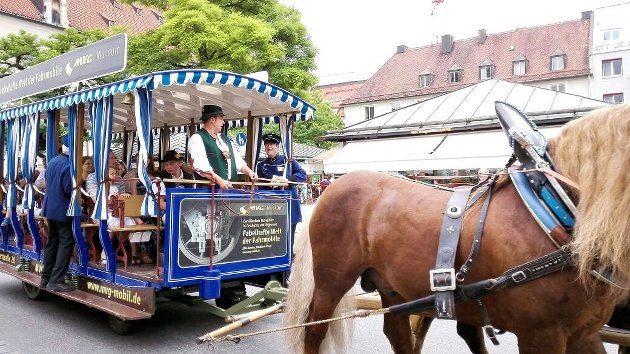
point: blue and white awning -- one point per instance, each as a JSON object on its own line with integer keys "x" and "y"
{"x": 179, "y": 96}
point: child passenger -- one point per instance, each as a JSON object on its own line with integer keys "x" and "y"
{"x": 134, "y": 237}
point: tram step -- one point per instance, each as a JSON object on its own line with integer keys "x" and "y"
{"x": 100, "y": 303}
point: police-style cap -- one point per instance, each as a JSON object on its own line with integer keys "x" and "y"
{"x": 171, "y": 155}
{"x": 271, "y": 138}
{"x": 211, "y": 110}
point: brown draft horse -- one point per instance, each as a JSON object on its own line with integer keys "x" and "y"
{"x": 385, "y": 230}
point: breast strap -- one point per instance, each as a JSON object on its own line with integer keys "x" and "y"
{"x": 442, "y": 278}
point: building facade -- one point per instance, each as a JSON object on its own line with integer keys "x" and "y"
{"x": 554, "y": 57}
{"x": 610, "y": 53}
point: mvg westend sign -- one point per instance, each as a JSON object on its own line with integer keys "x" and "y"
{"x": 100, "y": 58}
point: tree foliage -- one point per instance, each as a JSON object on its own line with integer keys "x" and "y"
{"x": 18, "y": 51}
{"x": 240, "y": 36}
{"x": 310, "y": 131}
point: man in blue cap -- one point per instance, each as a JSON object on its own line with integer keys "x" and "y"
{"x": 60, "y": 240}
{"x": 274, "y": 166}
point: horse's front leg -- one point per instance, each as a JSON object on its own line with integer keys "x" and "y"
{"x": 542, "y": 340}
{"x": 589, "y": 344}
{"x": 473, "y": 336}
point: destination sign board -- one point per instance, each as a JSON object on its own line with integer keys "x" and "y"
{"x": 100, "y": 58}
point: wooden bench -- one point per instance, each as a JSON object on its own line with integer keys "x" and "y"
{"x": 127, "y": 207}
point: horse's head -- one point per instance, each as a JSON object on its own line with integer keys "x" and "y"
{"x": 594, "y": 151}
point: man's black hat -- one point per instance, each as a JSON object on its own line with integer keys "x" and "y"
{"x": 171, "y": 155}
{"x": 271, "y": 138}
{"x": 211, "y": 110}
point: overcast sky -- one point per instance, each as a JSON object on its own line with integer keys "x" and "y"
{"x": 356, "y": 37}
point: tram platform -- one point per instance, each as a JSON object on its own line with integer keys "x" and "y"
{"x": 100, "y": 302}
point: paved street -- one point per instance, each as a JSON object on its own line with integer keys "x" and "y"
{"x": 57, "y": 325}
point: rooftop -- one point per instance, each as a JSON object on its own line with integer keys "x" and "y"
{"x": 399, "y": 76}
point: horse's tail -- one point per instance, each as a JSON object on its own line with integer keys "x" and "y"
{"x": 302, "y": 285}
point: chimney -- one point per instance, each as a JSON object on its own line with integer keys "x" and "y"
{"x": 401, "y": 48}
{"x": 447, "y": 43}
{"x": 587, "y": 15}
{"x": 481, "y": 39}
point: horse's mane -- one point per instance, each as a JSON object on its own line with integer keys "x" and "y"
{"x": 594, "y": 151}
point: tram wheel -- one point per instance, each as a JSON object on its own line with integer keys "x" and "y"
{"x": 120, "y": 326}
{"x": 33, "y": 292}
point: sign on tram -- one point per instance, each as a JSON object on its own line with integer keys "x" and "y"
{"x": 100, "y": 58}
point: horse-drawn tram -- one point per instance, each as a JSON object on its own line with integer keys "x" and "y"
{"x": 207, "y": 242}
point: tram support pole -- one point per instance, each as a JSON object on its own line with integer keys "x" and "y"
{"x": 249, "y": 147}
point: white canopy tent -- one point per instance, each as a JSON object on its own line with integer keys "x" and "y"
{"x": 435, "y": 152}
{"x": 458, "y": 130}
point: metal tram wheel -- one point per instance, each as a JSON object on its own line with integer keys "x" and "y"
{"x": 33, "y": 292}
{"x": 121, "y": 326}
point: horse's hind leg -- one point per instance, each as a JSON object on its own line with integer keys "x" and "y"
{"x": 419, "y": 328}
{"x": 473, "y": 336}
{"x": 322, "y": 307}
{"x": 396, "y": 328}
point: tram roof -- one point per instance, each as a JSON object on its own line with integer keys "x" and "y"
{"x": 179, "y": 95}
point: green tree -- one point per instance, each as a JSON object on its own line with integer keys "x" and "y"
{"x": 18, "y": 51}
{"x": 310, "y": 131}
{"x": 244, "y": 36}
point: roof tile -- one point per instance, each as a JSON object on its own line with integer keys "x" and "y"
{"x": 31, "y": 9}
{"x": 398, "y": 77}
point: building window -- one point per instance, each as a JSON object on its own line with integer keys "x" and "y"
{"x": 160, "y": 19}
{"x": 611, "y": 67}
{"x": 485, "y": 72}
{"x": 138, "y": 11}
{"x": 519, "y": 67}
{"x": 395, "y": 106}
{"x": 369, "y": 112}
{"x": 557, "y": 62}
{"x": 56, "y": 12}
{"x": 116, "y": 4}
{"x": 611, "y": 34}
{"x": 454, "y": 76}
{"x": 613, "y": 97}
{"x": 426, "y": 80}
{"x": 557, "y": 87}
{"x": 111, "y": 23}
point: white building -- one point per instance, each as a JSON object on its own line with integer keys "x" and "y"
{"x": 610, "y": 53}
{"x": 554, "y": 56}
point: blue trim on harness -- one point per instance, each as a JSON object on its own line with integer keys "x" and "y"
{"x": 558, "y": 208}
{"x": 535, "y": 205}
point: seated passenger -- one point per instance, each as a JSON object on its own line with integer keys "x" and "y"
{"x": 115, "y": 221}
{"x": 172, "y": 163}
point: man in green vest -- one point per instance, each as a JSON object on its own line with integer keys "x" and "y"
{"x": 211, "y": 152}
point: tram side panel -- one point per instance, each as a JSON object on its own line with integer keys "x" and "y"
{"x": 228, "y": 235}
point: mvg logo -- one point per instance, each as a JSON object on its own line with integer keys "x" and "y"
{"x": 82, "y": 60}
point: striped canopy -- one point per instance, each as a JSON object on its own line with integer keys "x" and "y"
{"x": 179, "y": 95}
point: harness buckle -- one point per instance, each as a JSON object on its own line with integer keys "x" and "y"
{"x": 518, "y": 276}
{"x": 442, "y": 279}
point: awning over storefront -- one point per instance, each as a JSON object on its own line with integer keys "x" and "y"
{"x": 433, "y": 152}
